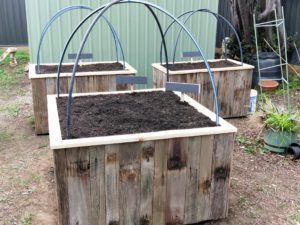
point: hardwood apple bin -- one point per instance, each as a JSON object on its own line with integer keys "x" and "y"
{"x": 127, "y": 179}
{"x": 233, "y": 85}
{"x": 45, "y": 84}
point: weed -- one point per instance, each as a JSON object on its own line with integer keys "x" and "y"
{"x": 26, "y": 219}
{"x": 243, "y": 201}
{"x": 12, "y": 111}
{"x": 43, "y": 146}
{"x": 6, "y": 80}
{"x": 294, "y": 218}
{"x": 30, "y": 121}
{"x": 30, "y": 180}
{"x": 3, "y": 200}
{"x": 4, "y": 136}
{"x": 250, "y": 146}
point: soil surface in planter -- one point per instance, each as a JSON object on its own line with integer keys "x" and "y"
{"x": 45, "y": 69}
{"x": 200, "y": 65}
{"x": 116, "y": 114}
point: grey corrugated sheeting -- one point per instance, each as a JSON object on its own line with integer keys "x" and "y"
{"x": 13, "y": 28}
{"x": 224, "y": 10}
{"x": 292, "y": 12}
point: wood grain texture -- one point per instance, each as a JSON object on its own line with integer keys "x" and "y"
{"x": 160, "y": 182}
{"x": 147, "y": 179}
{"x": 61, "y": 176}
{"x": 233, "y": 88}
{"x": 221, "y": 165}
{"x": 41, "y": 87}
{"x": 112, "y": 184}
{"x": 97, "y": 185}
{"x": 39, "y": 99}
{"x": 176, "y": 181}
{"x": 129, "y": 187}
{"x": 78, "y": 169}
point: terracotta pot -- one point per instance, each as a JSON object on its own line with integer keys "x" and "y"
{"x": 268, "y": 85}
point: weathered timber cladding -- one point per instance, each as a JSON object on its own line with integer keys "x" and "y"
{"x": 170, "y": 181}
{"x": 89, "y": 82}
{"x": 233, "y": 88}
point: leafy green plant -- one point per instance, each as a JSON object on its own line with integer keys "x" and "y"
{"x": 280, "y": 120}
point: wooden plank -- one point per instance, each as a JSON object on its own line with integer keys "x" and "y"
{"x": 64, "y": 85}
{"x": 81, "y": 85}
{"x": 112, "y": 184}
{"x": 51, "y": 86}
{"x": 129, "y": 187}
{"x": 147, "y": 178}
{"x": 39, "y": 98}
{"x": 221, "y": 167}
{"x": 97, "y": 182}
{"x": 176, "y": 181}
{"x": 160, "y": 184}
{"x": 205, "y": 178}
{"x": 192, "y": 180}
{"x": 78, "y": 166}
{"x": 60, "y": 167}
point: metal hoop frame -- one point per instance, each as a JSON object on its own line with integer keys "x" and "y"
{"x": 103, "y": 9}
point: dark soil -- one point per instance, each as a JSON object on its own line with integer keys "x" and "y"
{"x": 105, "y": 115}
{"x": 85, "y": 68}
{"x": 200, "y": 65}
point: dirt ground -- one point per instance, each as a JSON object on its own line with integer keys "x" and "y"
{"x": 264, "y": 187}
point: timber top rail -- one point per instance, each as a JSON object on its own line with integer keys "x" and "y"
{"x": 56, "y": 141}
{"x": 232, "y": 68}
{"x": 128, "y": 70}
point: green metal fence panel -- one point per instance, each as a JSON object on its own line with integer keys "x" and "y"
{"x": 135, "y": 25}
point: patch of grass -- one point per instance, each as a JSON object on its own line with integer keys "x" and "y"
{"x": 4, "y": 136}
{"x": 294, "y": 218}
{"x": 249, "y": 146}
{"x": 30, "y": 121}
{"x": 12, "y": 111}
{"x": 243, "y": 201}
{"x": 26, "y": 219}
{"x": 6, "y": 80}
{"x": 30, "y": 180}
{"x": 21, "y": 56}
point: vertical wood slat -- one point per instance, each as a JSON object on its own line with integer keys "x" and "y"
{"x": 160, "y": 182}
{"x": 39, "y": 98}
{"x": 112, "y": 184}
{"x": 233, "y": 89}
{"x": 97, "y": 176}
{"x": 176, "y": 180}
{"x": 147, "y": 178}
{"x": 221, "y": 165}
{"x": 41, "y": 87}
{"x": 172, "y": 181}
{"x": 61, "y": 176}
{"x": 129, "y": 187}
{"x": 78, "y": 166}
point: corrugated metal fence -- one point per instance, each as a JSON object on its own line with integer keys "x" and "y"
{"x": 135, "y": 25}
{"x": 13, "y": 27}
{"x": 224, "y": 10}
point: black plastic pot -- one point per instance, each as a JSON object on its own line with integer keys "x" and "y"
{"x": 266, "y": 59}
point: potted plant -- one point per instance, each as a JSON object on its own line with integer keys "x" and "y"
{"x": 282, "y": 128}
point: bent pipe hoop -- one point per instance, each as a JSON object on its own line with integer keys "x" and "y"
{"x": 186, "y": 20}
{"x": 170, "y": 25}
{"x": 103, "y": 10}
{"x": 67, "y": 9}
{"x": 218, "y": 17}
{"x": 69, "y": 41}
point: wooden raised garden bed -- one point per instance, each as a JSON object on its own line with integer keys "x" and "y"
{"x": 91, "y": 77}
{"x": 233, "y": 83}
{"x": 163, "y": 161}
